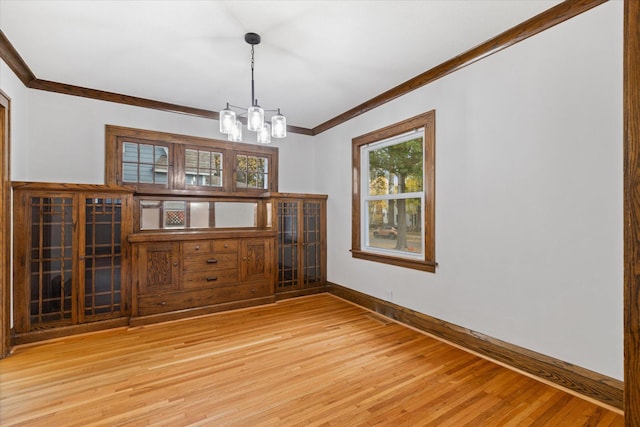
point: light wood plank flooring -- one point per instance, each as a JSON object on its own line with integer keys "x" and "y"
{"x": 316, "y": 361}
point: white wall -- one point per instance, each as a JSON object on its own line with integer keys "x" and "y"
{"x": 528, "y": 195}
{"x": 18, "y": 94}
{"x": 64, "y": 140}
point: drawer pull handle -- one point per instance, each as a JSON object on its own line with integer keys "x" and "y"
{"x": 212, "y": 278}
{"x": 226, "y": 246}
{"x": 197, "y": 247}
{"x": 253, "y": 290}
{"x": 212, "y": 261}
{"x": 162, "y": 303}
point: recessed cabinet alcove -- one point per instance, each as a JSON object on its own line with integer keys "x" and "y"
{"x": 184, "y": 226}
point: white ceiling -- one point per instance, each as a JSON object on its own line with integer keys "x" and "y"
{"x": 317, "y": 59}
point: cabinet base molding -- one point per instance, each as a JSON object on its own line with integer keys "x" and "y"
{"x": 64, "y": 331}
{"x": 199, "y": 311}
{"x": 590, "y": 385}
{"x": 301, "y": 292}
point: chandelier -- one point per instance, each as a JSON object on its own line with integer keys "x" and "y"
{"x": 231, "y": 125}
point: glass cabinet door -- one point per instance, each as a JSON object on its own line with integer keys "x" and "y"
{"x": 102, "y": 295}
{"x": 52, "y": 295}
{"x": 69, "y": 263}
{"x": 312, "y": 242}
{"x": 287, "y": 245}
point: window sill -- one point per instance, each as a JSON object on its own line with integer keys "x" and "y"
{"x": 400, "y": 262}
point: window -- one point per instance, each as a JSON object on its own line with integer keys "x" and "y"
{"x": 144, "y": 163}
{"x": 203, "y": 168}
{"x": 252, "y": 172}
{"x": 157, "y": 162}
{"x": 394, "y": 194}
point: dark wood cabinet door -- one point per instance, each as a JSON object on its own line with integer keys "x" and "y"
{"x": 158, "y": 267}
{"x": 253, "y": 260}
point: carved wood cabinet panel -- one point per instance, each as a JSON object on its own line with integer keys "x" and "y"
{"x": 158, "y": 267}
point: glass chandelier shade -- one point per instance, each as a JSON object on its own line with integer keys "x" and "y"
{"x": 236, "y": 132}
{"x": 227, "y": 120}
{"x": 255, "y": 118}
{"x": 264, "y": 134}
{"x": 278, "y": 126}
{"x": 232, "y": 127}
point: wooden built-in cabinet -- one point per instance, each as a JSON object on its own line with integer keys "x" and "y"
{"x": 71, "y": 258}
{"x": 300, "y": 225}
{"x": 89, "y": 257}
{"x": 204, "y": 271}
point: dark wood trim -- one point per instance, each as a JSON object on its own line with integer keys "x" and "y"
{"x": 5, "y": 226}
{"x": 543, "y": 21}
{"x": 199, "y": 311}
{"x": 65, "y": 331}
{"x": 301, "y": 292}
{"x": 13, "y": 59}
{"x": 632, "y": 212}
{"x": 58, "y": 187}
{"x": 100, "y": 95}
{"x": 574, "y": 378}
{"x": 400, "y": 262}
{"x": 67, "y": 89}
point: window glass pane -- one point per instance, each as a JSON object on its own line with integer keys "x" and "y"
{"x": 395, "y": 225}
{"x": 130, "y": 172}
{"x": 262, "y": 164}
{"x": 260, "y": 180}
{"x": 144, "y": 163}
{"x": 216, "y": 178}
{"x": 130, "y": 152}
{"x": 161, "y": 170}
{"x": 201, "y": 166}
{"x": 204, "y": 160}
{"x": 396, "y": 168}
{"x": 146, "y": 174}
{"x": 251, "y": 172}
{"x": 241, "y": 179}
{"x": 146, "y": 153}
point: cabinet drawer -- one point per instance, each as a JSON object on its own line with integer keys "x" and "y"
{"x": 210, "y": 262}
{"x": 206, "y": 246}
{"x": 162, "y": 303}
{"x": 242, "y": 292}
{"x": 209, "y": 279}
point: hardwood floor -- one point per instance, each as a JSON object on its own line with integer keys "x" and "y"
{"x": 316, "y": 360}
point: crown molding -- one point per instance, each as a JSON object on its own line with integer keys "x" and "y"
{"x": 543, "y": 21}
{"x": 13, "y": 59}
